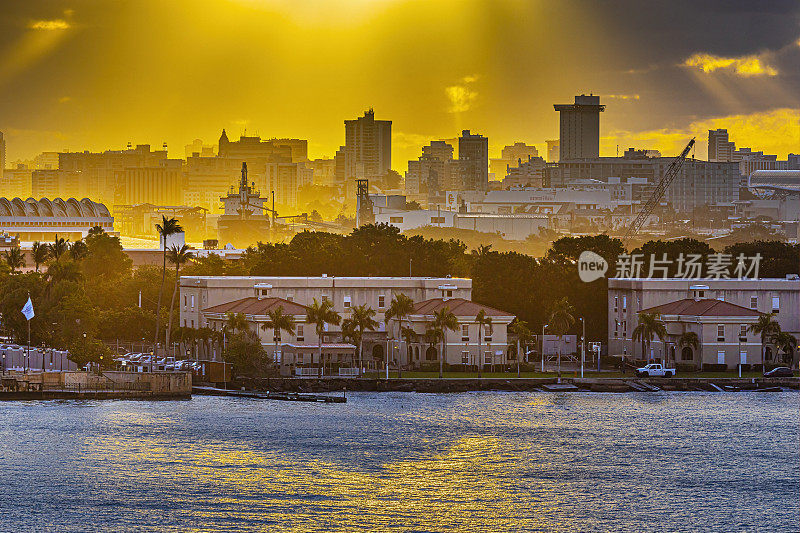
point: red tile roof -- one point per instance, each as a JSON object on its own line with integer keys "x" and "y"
{"x": 707, "y": 307}
{"x": 458, "y": 306}
{"x": 257, "y": 306}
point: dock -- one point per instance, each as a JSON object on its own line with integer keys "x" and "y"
{"x": 280, "y": 396}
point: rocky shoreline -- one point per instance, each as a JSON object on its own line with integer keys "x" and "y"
{"x": 455, "y": 385}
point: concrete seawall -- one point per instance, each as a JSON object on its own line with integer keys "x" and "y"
{"x": 530, "y": 384}
{"x": 88, "y": 385}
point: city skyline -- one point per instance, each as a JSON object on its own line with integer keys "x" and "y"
{"x": 209, "y": 71}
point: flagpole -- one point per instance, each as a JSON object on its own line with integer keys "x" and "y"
{"x": 29, "y": 338}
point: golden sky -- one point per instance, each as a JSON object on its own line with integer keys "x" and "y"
{"x": 88, "y": 74}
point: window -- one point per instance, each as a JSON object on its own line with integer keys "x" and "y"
{"x": 743, "y": 332}
{"x": 381, "y": 301}
{"x": 347, "y": 302}
{"x": 721, "y": 357}
{"x": 487, "y": 358}
{"x": 464, "y": 333}
{"x": 616, "y": 327}
{"x": 464, "y": 357}
{"x": 616, "y": 303}
{"x": 192, "y": 301}
{"x": 701, "y": 294}
{"x": 449, "y": 294}
{"x": 437, "y": 220}
{"x": 487, "y": 332}
{"x": 776, "y": 304}
{"x": 624, "y": 328}
{"x": 396, "y": 220}
{"x": 184, "y": 301}
{"x": 300, "y": 337}
{"x": 754, "y": 302}
{"x": 720, "y": 333}
{"x": 624, "y": 303}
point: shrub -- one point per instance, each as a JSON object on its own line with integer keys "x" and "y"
{"x": 686, "y": 367}
{"x": 709, "y": 367}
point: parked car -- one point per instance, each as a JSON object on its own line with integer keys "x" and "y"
{"x": 779, "y": 372}
{"x": 655, "y": 370}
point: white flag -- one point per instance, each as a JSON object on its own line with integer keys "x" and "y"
{"x": 28, "y": 309}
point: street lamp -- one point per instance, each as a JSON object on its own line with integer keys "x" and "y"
{"x": 543, "y": 327}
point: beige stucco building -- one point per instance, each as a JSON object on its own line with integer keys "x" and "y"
{"x": 628, "y": 297}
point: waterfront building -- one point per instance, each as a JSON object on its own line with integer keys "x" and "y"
{"x": 628, "y": 297}
{"x": 201, "y": 292}
{"x": 722, "y": 329}
{"x": 367, "y": 147}
{"x": 579, "y": 136}
{"x": 469, "y": 344}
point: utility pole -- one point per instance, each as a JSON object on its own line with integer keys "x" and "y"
{"x": 543, "y": 327}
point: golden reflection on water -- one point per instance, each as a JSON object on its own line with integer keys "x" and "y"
{"x": 469, "y": 482}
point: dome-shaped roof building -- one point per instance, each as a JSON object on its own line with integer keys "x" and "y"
{"x": 42, "y": 220}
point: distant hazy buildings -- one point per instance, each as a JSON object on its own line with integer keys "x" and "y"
{"x": 16, "y": 181}
{"x": 435, "y": 171}
{"x": 510, "y": 156}
{"x": 368, "y": 147}
{"x": 553, "y": 149}
{"x": 580, "y": 128}
{"x": 525, "y": 173}
{"x": 2, "y": 155}
{"x": 720, "y": 148}
{"x": 161, "y": 185}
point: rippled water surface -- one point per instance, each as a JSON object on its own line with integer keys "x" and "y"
{"x": 407, "y": 462}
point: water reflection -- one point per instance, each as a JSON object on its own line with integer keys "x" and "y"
{"x": 478, "y": 461}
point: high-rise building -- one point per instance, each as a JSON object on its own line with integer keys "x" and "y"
{"x": 719, "y": 147}
{"x": 283, "y": 180}
{"x": 367, "y": 147}
{"x": 580, "y": 128}
{"x": 473, "y": 153}
{"x": 435, "y": 171}
{"x": 56, "y": 183}
{"x": 552, "y": 151}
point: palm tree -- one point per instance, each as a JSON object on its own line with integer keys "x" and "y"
{"x": 443, "y": 320}
{"x": 177, "y": 256}
{"x": 168, "y": 226}
{"x": 523, "y": 334}
{"x": 277, "y": 322}
{"x": 39, "y": 254}
{"x": 362, "y": 318}
{"x": 78, "y": 250}
{"x": 691, "y": 339}
{"x": 560, "y": 321}
{"x": 15, "y": 259}
{"x": 400, "y": 308}
{"x": 58, "y": 248}
{"x": 768, "y": 328}
{"x": 236, "y": 322}
{"x": 650, "y": 326}
{"x": 320, "y": 314}
{"x": 482, "y": 320}
{"x": 786, "y": 343}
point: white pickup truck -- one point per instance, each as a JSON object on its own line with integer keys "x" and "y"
{"x": 655, "y": 370}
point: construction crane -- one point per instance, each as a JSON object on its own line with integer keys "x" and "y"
{"x": 655, "y": 198}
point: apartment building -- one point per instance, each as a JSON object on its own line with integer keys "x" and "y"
{"x": 629, "y": 297}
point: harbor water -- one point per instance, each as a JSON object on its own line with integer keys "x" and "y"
{"x": 482, "y": 461}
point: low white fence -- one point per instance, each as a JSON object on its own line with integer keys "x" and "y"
{"x": 348, "y": 372}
